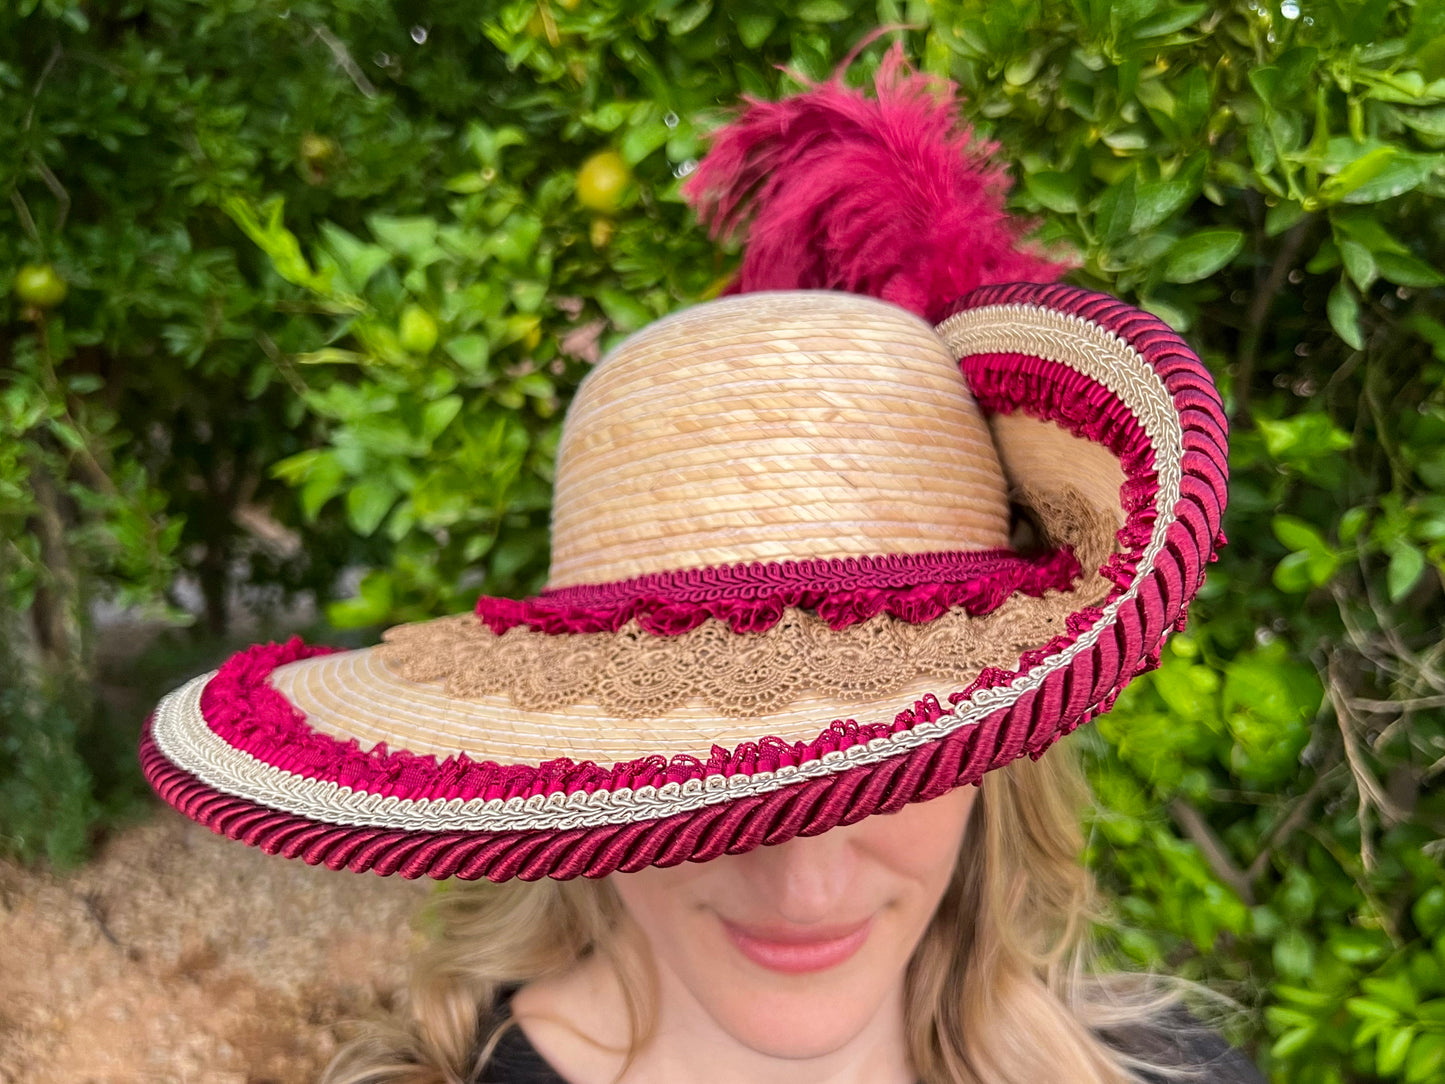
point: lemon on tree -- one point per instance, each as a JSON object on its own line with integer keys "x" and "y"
{"x": 317, "y": 150}
{"x": 602, "y": 182}
{"x": 316, "y": 154}
{"x": 40, "y": 286}
{"x": 417, "y": 331}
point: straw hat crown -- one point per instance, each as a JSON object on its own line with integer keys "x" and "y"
{"x": 771, "y": 427}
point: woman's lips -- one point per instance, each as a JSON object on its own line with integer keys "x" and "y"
{"x": 797, "y": 950}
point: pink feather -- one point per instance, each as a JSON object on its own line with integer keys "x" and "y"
{"x": 889, "y": 196}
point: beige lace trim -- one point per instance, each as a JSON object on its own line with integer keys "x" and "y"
{"x": 635, "y": 674}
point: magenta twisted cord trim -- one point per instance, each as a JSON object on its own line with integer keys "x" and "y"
{"x": 843, "y": 591}
{"x": 734, "y": 827}
{"x": 1064, "y": 700}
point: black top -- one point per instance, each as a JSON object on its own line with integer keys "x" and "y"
{"x": 1189, "y": 1047}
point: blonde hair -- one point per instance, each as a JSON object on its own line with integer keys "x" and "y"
{"x": 1000, "y": 989}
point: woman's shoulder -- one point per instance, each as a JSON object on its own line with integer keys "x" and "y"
{"x": 1183, "y": 1049}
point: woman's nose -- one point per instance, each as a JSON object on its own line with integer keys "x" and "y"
{"x": 806, "y": 880}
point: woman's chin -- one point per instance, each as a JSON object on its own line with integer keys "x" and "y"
{"x": 803, "y": 1016}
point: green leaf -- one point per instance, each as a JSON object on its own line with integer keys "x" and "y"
{"x": 1365, "y": 227}
{"x": 823, "y": 11}
{"x": 1114, "y": 211}
{"x": 1428, "y": 122}
{"x": 1292, "y": 574}
{"x": 1408, "y": 271}
{"x": 1265, "y": 81}
{"x": 1425, "y": 1064}
{"x": 264, "y": 226}
{"x": 685, "y": 20}
{"x": 754, "y": 27}
{"x": 1366, "y": 1009}
{"x": 1390, "y": 1054}
{"x": 1343, "y": 308}
{"x": 1359, "y": 264}
{"x": 1298, "y": 995}
{"x": 84, "y": 383}
{"x": 641, "y": 140}
{"x": 626, "y": 313}
{"x": 1168, "y": 22}
{"x": 367, "y": 503}
{"x": 1431, "y": 58}
{"x": 1407, "y": 565}
{"x": 1057, "y": 192}
{"x": 1021, "y": 71}
{"x": 1161, "y": 200}
{"x": 413, "y": 236}
{"x": 1281, "y": 217}
{"x": 467, "y": 183}
{"x": 1429, "y": 911}
{"x": 357, "y": 260}
{"x": 470, "y": 351}
{"x": 1326, "y": 258}
{"x": 1297, "y": 534}
{"x": 331, "y": 355}
{"x": 1392, "y": 990}
{"x": 1365, "y": 168}
{"x": 371, "y": 606}
{"x": 323, "y": 479}
{"x": 1398, "y": 177}
{"x": 1154, "y": 94}
{"x": 1294, "y": 955}
{"x": 1291, "y": 1042}
{"x": 1203, "y": 253}
{"x": 1352, "y": 522}
{"x": 438, "y": 414}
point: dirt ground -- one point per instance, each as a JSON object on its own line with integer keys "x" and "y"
{"x": 177, "y": 957}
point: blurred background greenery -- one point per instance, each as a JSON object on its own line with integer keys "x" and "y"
{"x": 293, "y": 295}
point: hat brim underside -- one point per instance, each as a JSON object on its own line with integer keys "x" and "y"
{"x": 430, "y": 797}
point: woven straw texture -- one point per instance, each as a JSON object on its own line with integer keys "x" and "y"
{"x": 770, "y": 427}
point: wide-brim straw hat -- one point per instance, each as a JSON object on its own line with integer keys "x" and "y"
{"x": 814, "y": 557}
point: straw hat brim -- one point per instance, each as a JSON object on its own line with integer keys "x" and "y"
{"x": 342, "y": 759}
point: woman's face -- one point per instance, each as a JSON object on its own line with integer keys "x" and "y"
{"x": 793, "y": 950}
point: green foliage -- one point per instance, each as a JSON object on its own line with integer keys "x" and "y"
{"x": 329, "y": 272}
{"x": 1268, "y": 179}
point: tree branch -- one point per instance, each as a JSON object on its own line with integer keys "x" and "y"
{"x": 1197, "y": 829}
{"x": 1258, "y": 313}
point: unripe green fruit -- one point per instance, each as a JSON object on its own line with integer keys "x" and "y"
{"x": 40, "y": 285}
{"x": 417, "y": 331}
{"x": 602, "y": 181}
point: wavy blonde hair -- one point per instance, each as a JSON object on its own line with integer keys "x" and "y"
{"x": 1000, "y": 989}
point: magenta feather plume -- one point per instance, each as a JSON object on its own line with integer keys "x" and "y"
{"x": 890, "y": 196}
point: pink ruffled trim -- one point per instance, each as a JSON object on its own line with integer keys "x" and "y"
{"x": 242, "y": 707}
{"x": 916, "y": 588}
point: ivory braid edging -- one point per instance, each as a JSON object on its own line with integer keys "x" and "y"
{"x": 805, "y": 808}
